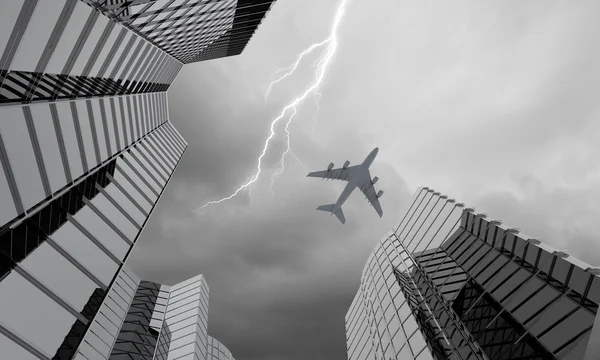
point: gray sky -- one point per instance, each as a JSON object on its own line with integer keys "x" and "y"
{"x": 493, "y": 104}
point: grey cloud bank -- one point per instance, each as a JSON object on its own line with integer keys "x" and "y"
{"x": 493, "y": 104}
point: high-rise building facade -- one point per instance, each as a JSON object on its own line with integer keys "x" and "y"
{"x": 79, "y": 181}
{"x": 64, "y": 49}
{"x": 161, "y": 323}
{"x": 86, "y": 151}
{"x": 190, "y": 30}
{"x": 187, "y": 320}
{"x": 451, "y": 284}
{"x": 145, "y": 321}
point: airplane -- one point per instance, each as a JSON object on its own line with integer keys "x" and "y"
{"x": 357, "y": 176}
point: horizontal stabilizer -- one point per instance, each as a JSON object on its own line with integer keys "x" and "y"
{"x": 329, "y": 208}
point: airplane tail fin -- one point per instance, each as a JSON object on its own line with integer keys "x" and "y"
{"x": 329, "y": 208}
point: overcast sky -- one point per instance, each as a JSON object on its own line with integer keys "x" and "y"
{"x": 494, "y": 104}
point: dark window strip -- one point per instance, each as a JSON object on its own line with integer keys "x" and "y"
{"x": 17, "y": 243}
{"x": 491, "y": 319}
{"x": 54, "y": 87}
{"x": 136, "y": 339}
{"x": 440, "y": 309}
{"x": 67, "y": 349}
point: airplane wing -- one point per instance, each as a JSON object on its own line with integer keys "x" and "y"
{"x": 369, "y": 190}
{"x": 334, "y": 174}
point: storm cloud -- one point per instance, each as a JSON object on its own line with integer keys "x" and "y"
{"x": 494, "y": 104}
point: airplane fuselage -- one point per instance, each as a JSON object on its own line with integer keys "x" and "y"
{"x": 360, "y": 176}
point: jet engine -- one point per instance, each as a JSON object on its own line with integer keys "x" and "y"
{"x": 374, "y": 181}
{"x": 379, "y": 193}
{"x": 330, "y": 166}
{"x": 346, "y": 164}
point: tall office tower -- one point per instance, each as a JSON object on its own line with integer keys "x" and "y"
{"x": 63, "y": 49}
{"x": 86, "y": 150}
{"x": 187, "y": 319}
{"x": 190, "y": 30}
{"x": 75, "y": 207}
{"x": 449, "y": 284}
{"x": 156, "y": 322}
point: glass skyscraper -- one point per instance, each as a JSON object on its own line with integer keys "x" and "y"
{"x": 190, "y": 30}
{"x": 147, "y": 321}
{"x": 64, "y": 49}
{"x": 86, "y": 151}
{"x": 448, "y": 283}
{"x": 76, "y": 194}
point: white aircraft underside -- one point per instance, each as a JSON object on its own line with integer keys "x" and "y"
{"x": 357, "y": 176}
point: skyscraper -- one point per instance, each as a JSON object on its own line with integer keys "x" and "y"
{"x": 63, "y": 49}
{"x": 86, "y": 151}
{"x": 145, "y": 320}
{"x": 80, "y": 180}
{"x": 451, "y": 284}
{"x": 190, "y": 30}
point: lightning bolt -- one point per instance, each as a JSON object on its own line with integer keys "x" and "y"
{"x": 324, "y": 62}
{"x": 251, "y": 202}
{"x": 298, "y": 161}
{"x": 317, "y": 94}
{"x": 318, "y": 97}
{"x": 288, "y": 150}
{"x": 292, "y": 68}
